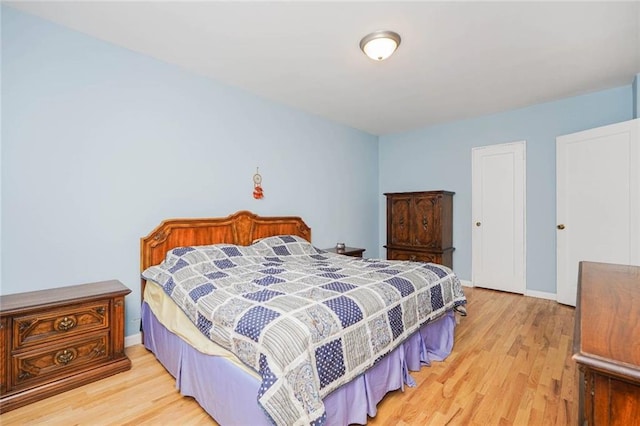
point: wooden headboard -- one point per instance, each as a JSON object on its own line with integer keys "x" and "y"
{"x": 241, "y": 228}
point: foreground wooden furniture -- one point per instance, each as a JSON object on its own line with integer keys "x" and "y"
{"x": 58, "y": 339}
{"x": 607, "y": 343}
{"x": 420, "y": 226}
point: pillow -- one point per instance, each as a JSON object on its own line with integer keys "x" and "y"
{"x": 284, "y": 245}
{"x": 277, "y": 238}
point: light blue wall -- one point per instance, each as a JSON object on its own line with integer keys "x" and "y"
{"x": 636, "y": 96}
{"x": 99, "y": 144}
{"x": 439, "y": 157}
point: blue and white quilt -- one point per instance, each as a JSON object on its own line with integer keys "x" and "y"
{"x": 306, "y": 320}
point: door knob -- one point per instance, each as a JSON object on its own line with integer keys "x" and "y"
{"x": 478, "y": 223}
{"x": 561, "y": 226}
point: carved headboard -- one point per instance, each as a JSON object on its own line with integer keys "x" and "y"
{"x": 241, "y": 228}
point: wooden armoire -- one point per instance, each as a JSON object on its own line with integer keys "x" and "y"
{"x": 420, "y": 226}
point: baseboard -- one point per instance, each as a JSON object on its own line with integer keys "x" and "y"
{"x": 530, "y": 293}
{"x": 540, "y": 294}
{"x": 134, "y": 339}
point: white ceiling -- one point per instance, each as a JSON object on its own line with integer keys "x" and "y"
{"x": 456, "y": 60}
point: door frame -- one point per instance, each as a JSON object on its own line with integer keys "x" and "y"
{"x": 475, "y": 206}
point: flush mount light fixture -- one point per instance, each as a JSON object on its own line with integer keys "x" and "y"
{"x": 380, "y": 45}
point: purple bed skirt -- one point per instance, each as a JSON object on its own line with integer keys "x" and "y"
{"x": 229, "y": 394}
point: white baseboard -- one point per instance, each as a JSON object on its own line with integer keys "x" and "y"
{"x": 530, "y": 293}
{"x": 540, "y": 294}
{"x": 134, "y": 339}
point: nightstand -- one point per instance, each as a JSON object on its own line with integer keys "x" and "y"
{"x": 58, "y": 339}
{"x": 347, "y": 251}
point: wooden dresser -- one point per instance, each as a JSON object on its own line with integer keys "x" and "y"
{"x": 420, "y": 226}
{"x": 55, "y": 340}
{"x": 607, "y": 344}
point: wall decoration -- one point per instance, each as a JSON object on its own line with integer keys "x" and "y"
{"x": 257, "y": 188}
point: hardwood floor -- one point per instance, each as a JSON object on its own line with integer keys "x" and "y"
{"x": 511, "y": 365}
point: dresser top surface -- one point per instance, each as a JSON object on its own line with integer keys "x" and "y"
{"x": 609, "y": 313}
{"x": 12, "y": 303}
{"x": 436, "y": 192}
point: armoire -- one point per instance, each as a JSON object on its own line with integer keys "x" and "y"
{"x": 420, "y": 226}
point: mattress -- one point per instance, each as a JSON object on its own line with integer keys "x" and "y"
{"x": 175, "y": 321}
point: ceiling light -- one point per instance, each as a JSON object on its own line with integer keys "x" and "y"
{"x": 380, "y": 45}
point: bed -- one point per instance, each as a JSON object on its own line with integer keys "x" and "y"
{"x": 261, "y": 327}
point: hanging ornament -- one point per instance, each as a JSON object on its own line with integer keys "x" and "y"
{"x": 257, "y": 189}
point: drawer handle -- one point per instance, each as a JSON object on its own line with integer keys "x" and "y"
{"x": 99, "y": 350}
{"x": 24, "y": 375}
{"x": 66, "y": 323}
{"x": 23, "y": 325}
{"x": 66, "y": 356}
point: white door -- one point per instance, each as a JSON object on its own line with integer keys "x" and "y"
{"x": 598, "y": 201}
{"x": 498, "y": 212}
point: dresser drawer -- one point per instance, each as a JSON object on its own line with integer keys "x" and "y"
{"x": 35, "y": 366}
{"x": 393, "y": 254}
{"x": 46, "y": 326}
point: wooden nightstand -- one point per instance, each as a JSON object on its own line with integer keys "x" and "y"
{"x": 347, "y": 251}
{"x": 58, "y": 339}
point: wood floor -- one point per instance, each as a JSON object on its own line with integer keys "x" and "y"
{"x": 511, "y": 365}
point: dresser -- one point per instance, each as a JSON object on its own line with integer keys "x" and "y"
{"x": 420, "y": 226}
{"x": 58, "y": 339}
{"x": 607, "y": 344}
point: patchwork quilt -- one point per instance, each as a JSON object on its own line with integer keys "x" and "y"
{"x": 306, "y": 320}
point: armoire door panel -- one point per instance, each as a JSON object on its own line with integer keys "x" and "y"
{"x": 427, "y": 232}
{"x": 400, "y": 225}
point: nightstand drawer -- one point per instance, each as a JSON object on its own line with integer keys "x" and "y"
{"x": 32, "y": 367}
{"x": 70, "y": 321}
